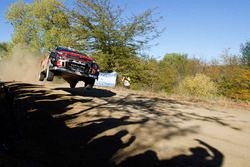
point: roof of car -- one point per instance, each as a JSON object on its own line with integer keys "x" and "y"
{"x": 72, "y": 52}
{"x": 59, "y": 48}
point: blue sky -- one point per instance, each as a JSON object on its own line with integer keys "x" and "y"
{"x": 199, "y": 28}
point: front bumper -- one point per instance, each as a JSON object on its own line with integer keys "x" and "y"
{"x": 79, "y": 73}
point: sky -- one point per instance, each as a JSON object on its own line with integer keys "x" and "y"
{"x": 199, "y": 28}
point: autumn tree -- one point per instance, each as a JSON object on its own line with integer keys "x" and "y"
{"x": 231, "y": 77}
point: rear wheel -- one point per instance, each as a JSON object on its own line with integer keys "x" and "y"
{"x": 49, "y": 75}
{"x": 41, "y": 76}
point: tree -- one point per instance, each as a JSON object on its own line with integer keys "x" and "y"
{"x": 245, "y": 50}
{"x": 231, "y": 77}
{"x": 110, "y": 35}
{"x": 149, "y": 75}
{"x": 174, "y": 68}
{"x": 95, "y": 26}
{"x": 42, "y": 24}
{"x": 4, "y": 49}
{"x": 230, "y": 59}
{"x": 178, "y": 64}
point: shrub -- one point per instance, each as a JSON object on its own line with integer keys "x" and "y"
{"x": 199, "y": 85}
{"x": 235, "y": 83}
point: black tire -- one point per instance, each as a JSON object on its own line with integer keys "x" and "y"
{"x": 89, "y": 83}
{"x": 41, "y": 76}
{"x": 49, "y": 75}
{"x": 72, "y": 84}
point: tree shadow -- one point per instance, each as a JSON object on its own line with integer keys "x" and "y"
{"x": 49, "y": 141}
{"x": 99, "y": 152}
{"x": 174, "y": 108}
{"x": 200, "y": 157}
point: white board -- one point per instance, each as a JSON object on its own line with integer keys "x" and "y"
{"x": 106, "y": 79}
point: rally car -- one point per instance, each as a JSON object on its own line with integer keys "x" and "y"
{"x": 73, "y": 66}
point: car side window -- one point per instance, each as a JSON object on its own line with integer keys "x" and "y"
{"x": 52, "y": 55}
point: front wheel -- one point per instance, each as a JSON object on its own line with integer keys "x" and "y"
{"x": 72, "y": 84}
{"x": 89, "y": 83}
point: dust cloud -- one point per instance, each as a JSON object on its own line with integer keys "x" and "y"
{"x": 22, "y": 64}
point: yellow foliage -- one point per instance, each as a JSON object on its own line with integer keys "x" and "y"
{"x": 199, "y": 85}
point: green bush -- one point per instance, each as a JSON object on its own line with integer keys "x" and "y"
{"x": 199, "y": 86}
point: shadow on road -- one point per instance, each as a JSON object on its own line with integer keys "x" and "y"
{"x": 94, "y": 92}
{"x": 48, "y": 141}
{"x": 199, "y": 158}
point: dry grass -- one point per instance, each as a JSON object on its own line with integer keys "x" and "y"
{"x": 208, "y": 102}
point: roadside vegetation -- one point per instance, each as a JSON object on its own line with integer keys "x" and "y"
{"x": 117, "y": 42}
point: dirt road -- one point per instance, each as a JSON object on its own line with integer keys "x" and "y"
{"x": 109, "y": 127}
